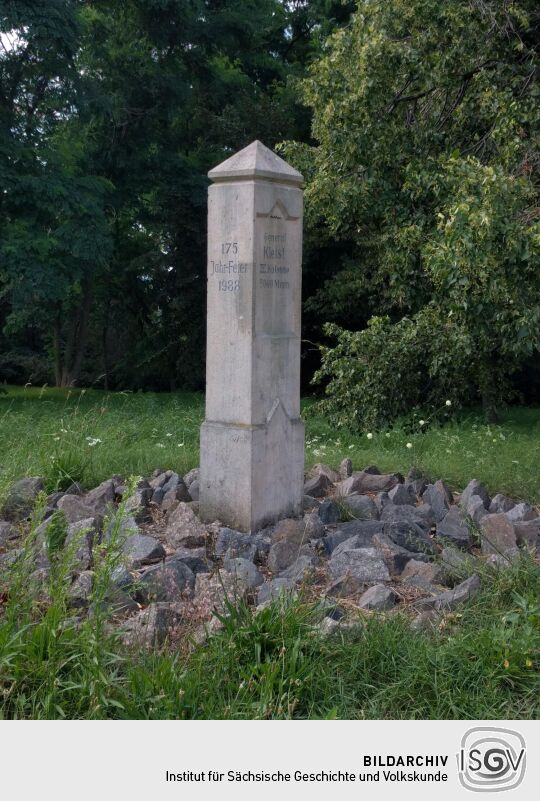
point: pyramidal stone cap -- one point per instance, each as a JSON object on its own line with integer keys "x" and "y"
{"x": 256, "y": 161}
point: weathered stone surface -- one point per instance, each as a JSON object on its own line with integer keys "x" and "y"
{"x": 439, "y": 497}
{"x": 426, "y": 621}
{"x": 476, "y": 509}
{"x": 363, "y": 482}
{"x": 184, "y": 529}
{"x": 361, "y": 506}
{"x": 101, "y": 498}
{"x": 191, "y": 476}
{"x": 317, "y": 486}
{"x": 418, "y": 486}
{"x": 378, "y": 598}
{"x": 244, "y": 572}
{"x": 474, "y": 487}
{"x": 520, "y": 513}
{"x": 453, "y": 528}
{"x": 195, "y": 558}
{"x": 427, "y": 570}
{"x": 141, "y": 550}
{"x": 456, "y": 563}
{"x": 323, "y": 469}
{"x": 282, "y": 554}
{"x": 497, "y": 534}
{"x": 168, "y": 581}
{"x": 366, "y": 529}
{"x": 451, "y": 599}
{"x": 193, "y": 491}
{"x": 365, "y": 565}
{"x": 7, "y": 533}
{"x": 272, "y": 590}
{"x": 528, "y": 533}
{"x": 329, "y": 512}
{"x": 152, "y": 626}
{"x": 252, "y": 440}
{"x": 80, "y": 538}
{"x": 313, "y": 526}
{"x": 501, "y": 503}
{"x": 395, "y": 557}
{"x": 75, "y": 508}
{"x": 421, "y": 515}
{"x": 301, "y": 568}
{"x": 290, "y": 530}
{"x": 137, "y": 505}
{"x": 402, "y": 495}
{"x": 212, "y": 592}
{"x": 345, "y": 468}
{"x": 81, "y": 590}
{"x": 21, "y": 498}
{"x": 409, "y": 535}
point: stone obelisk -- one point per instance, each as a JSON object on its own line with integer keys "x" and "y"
{"x": 252, "y": 439}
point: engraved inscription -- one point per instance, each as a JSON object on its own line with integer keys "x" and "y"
{"x": 225, "y": 267}
{"x": 273, "y": 250}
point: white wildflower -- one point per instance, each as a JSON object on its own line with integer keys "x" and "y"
{"x": 369, "y": 436}
{"x": 448, "y": 403}
{"x": 409, "y": 445}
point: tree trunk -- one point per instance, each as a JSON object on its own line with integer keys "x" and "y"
{"x": 67, "y": 369}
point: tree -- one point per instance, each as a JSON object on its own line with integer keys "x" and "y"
{"x": 426, "y": 170}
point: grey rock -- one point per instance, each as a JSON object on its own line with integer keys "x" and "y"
{"x": 402, "y": 495}
{"x": 453, "y": 528}
{"x": 372, "y": 470}
{"x": 364, "y": 565}
{"x": 429, "y": 571}
{"x": 272, "y": 590}
{"x": 520, "y": 513}
{"x": 7, "y": 560}
{"x": 528, "y": 533}
{"x": 409, "y": 535}
{"x": 192, "y": 476}
{"x": 75, "y": 509}
{"x": 7, "y": 533}
{"x": 313, "y": 526}
{"x": 418, "y": 486}
{"x": 158, "y": 481}
{"x": 101, "y": 498}
{"x": 290, "y": 530}
{"x": 500, "y": 503}
{"x": 474, "y": 487}
{"x": 476, "y": 509}
{"x": 231, "y": 542}
{"x": 395, "y": 557}
{"x": 498, "y": 534}
{"x": 364, "y": 482}
{"x": 157, "y": 496}
{"x": 345, "y": 468}
{"x": 309, "y": 503}
{"x": 244, "y": 571}
{"x": 301, "y": 568}
{"x": 121, "y": 578}
{"x": 168, "y": 581}
{"x": 423, "y": 584}
{"x": 152, "y": 626}
{"x": 329, "y": 512}
{"x": 281, "y": 555}
{"x": 426, "y": 621}
{"x": 365, "y": 529}
{"x": 184, "y": 529}
{"x": 119, "y": 528}
{"x": 317, "y": 486}
{"x": 457, "y": 564}
{"x": 80, "y": 592}
{"x": 438, "y": 496}
{"x": 327, "y": 627}
{"x": 193, "y": 490}
{"x": 382, "y": 500}
{"x": 141, "y": 550}
{"x": 80, "y": 538}
{"x": 325, "y": 470}
{"x": 451, "y": 599}
{"x": 21, "y": 498}
{"x": 195, "y": 558}
{"x": 362, "y": 506}
{"x": 137, "y": 505}
{"x": 499, "y": 562}
{"x": 378, "y": 598}
{"x": 421, "y": 515}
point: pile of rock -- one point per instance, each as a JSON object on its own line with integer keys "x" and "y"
{"x": 367, "y": 541}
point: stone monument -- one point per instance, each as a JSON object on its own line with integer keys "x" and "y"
{"x": 252, "y": 439}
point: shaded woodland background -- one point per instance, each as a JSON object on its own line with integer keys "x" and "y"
{"x": 416, "y": 124}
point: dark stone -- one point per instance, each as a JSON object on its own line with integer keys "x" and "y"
{"x": 141, "y": 550}
{"x": 409, "y": 535}
{"x": 21, "y": 498}
{"x": 329, "y": 512}
{"x": 366, "y": 529}
{"x": 361, "y": 506}
{"x": 272, "y": 590}
{"x": 168, "y": 581}
{"x": 439, "y": 497}
{"x": 362, "y": 565}
{"x": 402, "y": 495}
{"x": 245, "y": 572}
{"x": 453, "y": 598}
{"x": 421, "y": 515}
{"x": 474, "y": 487}
{"x": 378, "y": 598}
{"x": 317, "y": 486}
{"x": 195, "y": 558}
{"x": 453, "y": 528}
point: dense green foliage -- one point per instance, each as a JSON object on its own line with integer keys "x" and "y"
{"x": 426, "y": 169}
{"x": 111, "y": 115}
{"x": 479, "y": 664}
{"x": 90, "y": 435}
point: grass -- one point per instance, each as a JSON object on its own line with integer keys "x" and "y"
{"x": 481, "y": 663}
{"x": 88, "y": 435}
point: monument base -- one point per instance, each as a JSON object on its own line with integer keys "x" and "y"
{"x": 251, "y": 475}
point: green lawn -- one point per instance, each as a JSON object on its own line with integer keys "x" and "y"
{"x": 90, "y": 435}
{"x": 480, "y": 663}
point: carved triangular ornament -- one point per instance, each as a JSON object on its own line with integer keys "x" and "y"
{"x": 278, "y": 212}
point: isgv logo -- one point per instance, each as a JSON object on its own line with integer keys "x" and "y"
{"x": 491, "y": 759}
